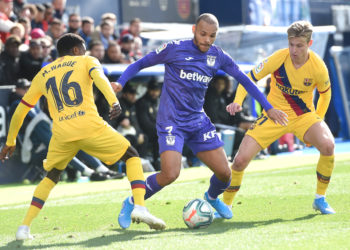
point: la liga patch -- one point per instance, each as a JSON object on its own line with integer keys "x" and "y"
{"x": 259, "y": 67}
{"x": 161, "y": 47}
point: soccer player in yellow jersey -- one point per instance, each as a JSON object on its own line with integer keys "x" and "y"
{"x": 295, "y": 73}
{"x": 67, "y": 84}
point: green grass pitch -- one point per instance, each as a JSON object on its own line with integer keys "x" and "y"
{"x": 271, "y": 211}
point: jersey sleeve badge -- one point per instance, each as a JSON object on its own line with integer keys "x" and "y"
{"x": 161, "y": 48}
{"x": 259, "y": 67}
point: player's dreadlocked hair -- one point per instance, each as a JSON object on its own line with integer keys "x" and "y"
{"x": 208, "y": 18}
{"x": 67, "y": 42}
{"x": 300, "y": 29}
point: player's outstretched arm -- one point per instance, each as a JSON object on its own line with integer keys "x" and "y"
{"x": 277, "y": 116}
{"x": 15, "y": 124}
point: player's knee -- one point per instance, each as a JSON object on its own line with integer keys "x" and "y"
{"x": 130, "y": 152}
{"x": 54, "y": 175}
{"x": 327, "y": 148}
{"x": 240, "y": 163}
{"x": 169, "y": 176}
{"x": 224, "y": 175}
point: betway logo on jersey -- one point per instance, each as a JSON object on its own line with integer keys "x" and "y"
{"x": 194, "y": 77}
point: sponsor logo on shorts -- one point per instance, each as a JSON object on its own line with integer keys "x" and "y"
{"x": 209, "y": 135}
{"x": 170, "y": 140}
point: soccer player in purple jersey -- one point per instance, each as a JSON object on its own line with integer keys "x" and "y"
{"x": 189, "y": 67}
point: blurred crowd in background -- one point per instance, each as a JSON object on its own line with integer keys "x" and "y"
{"x": 28, "y": 35}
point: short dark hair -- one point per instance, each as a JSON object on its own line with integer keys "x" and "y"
{"x": 40, "y": 7}
{"x": 208, "y": 18}
{"x": 67, "y": 42}
{"x": 13, "y": 39}
{"x": 104, "y": 23}
{"x": 94, "y": 43}
{"x": 56, "y": 21}
{"x": 86, "y": 20}
{"x": 73, "y": 14}
{"x": 135, "y": 20}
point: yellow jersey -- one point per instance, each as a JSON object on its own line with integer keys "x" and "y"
{"x": 67, "y": 84}
{"x": 291, "y": 89}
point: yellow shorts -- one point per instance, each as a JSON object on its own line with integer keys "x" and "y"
{"x": 109, "y": 147}
{"x": 265, "y": 131}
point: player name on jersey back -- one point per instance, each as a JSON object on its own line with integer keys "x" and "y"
{"x": 59, "y": 65}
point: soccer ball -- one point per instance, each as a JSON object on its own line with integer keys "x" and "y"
{"x": 198, "y": 214}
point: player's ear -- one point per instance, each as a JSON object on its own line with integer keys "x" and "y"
{"x": 310, "y": 43}
{"x": 75, "y": 51}
{"x": 193, "y": 28}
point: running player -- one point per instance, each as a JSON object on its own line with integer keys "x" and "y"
{"x": 295, "y": 73}
{"x": 189, "y": 67}
{"x": 67, "y": 85}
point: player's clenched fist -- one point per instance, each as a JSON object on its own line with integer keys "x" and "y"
{"x": 6, "y": 152}
{"x": 233, "y": 108}
{"x": 117, "y": 87}
{"x": 115, "y": 111}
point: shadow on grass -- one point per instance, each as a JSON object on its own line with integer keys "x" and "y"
{"x": 120, "y": 235}
{"x": 236, "y": 225}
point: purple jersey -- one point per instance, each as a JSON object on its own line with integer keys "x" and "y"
{"x": 188, "y": 72}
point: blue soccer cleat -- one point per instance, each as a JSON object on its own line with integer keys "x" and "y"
{"x": 223, "y": 210}
{"x": 217, "y": 216}
{"x": 321, "y": 205}
{"x": 124, "y": 218}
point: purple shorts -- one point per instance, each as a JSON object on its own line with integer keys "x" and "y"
{"x": 199, "y": 136}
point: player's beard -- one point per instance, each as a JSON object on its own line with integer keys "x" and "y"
{"x": 200, "y": 46}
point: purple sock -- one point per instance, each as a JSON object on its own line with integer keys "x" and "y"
{"x": 216, "y": 187}
{"x": 152, "y": 186}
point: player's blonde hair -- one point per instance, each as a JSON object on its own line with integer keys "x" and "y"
{"x": 300, "y": 29}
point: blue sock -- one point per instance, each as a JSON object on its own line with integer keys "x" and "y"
{"x": 152, "y": 186}
{"x": 216, "y": 187}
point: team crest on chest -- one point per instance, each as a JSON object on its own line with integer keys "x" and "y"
{"x": 307, "y": 81}
{"x": 211, "y": 60}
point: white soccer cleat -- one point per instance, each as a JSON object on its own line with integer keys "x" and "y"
{"x": 141, "y": 214}
{"x": 23, "y": 233}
